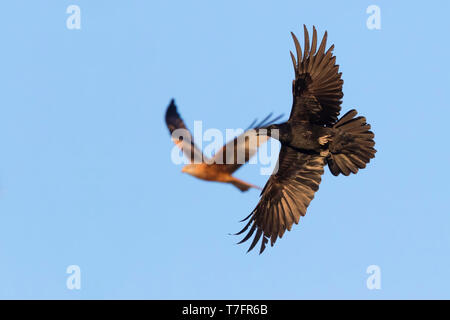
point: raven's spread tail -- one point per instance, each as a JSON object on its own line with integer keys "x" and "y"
{"x": 352, "y": 145}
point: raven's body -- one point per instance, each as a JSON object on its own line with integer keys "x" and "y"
{"x": 301, "y": 135}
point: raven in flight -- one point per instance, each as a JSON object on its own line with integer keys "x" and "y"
{"x": 312, "y": 138}
{"x": 221, "y": 167}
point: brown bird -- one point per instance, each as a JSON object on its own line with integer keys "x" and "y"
{"x": 221, "y": 167}
{"x": 311, "y": 138}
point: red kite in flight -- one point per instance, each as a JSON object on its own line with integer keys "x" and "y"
{"x": 221, "y": 167}
{"x": 312, "y": 138}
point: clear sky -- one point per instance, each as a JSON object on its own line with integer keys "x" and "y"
{"x": 86, "y": 177}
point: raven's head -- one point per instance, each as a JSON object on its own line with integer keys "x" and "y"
{"x": 276, "y": 131}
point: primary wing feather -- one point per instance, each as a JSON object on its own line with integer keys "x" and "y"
{"x": 317, "y": 88}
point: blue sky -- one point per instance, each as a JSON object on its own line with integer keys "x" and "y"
{"x": 85, "y": 171}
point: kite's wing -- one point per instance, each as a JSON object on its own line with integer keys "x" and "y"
{"x": 239, "y": 150}
{"x": 285, "y": 196}
{"x": 317, "y": 88}
{"x": 181, "y": 136}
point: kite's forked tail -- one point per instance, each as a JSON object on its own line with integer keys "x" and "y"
{"x": 242, "y": 185}
{"x": 352, "y": 145}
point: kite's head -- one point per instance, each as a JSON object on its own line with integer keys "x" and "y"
{"x": 194, "y": 170}
{"x": 189, "y": 168}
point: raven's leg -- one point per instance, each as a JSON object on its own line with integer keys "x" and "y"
{"x": 325, "y": 153}
{"x": 324, "y": 139}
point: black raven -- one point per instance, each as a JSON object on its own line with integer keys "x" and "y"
{"x": 311, "y": 138}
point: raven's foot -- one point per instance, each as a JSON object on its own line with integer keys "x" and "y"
{"x": 325, "y": 153}
{"x": 324, "y": 139}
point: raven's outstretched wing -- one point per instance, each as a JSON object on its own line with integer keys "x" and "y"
{"x": 239, "y": 150}
{"x": 181, "y": 136}
{"x": 285, "y": 196}
{"x": 317, "y": 88}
